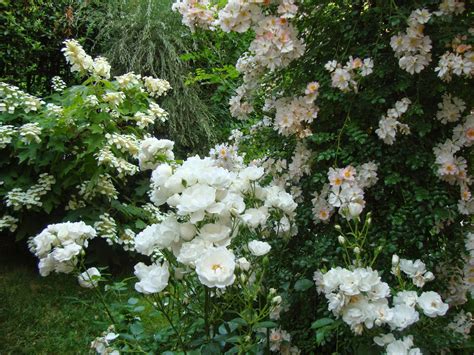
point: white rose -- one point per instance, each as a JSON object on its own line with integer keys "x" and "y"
{"x": 196, "y": 198}
{"x": 408, "y": 298}
{"x": 432, "y": 304}
{"x": 67, "y": 253}
{"x": 145, "y": 241}
{"x": 251, "y": 173}
{"x": 259, "y": 248}
{"x": 384, "y": 339}
{"x": 152, "y": 279}
{"x": 89, "y": 278}
{"x": 215, "y": 268}
{"x": 215, "y": 233}
{"x": 403, "y": 316}
{"x": 191, "y": 251}
{"x": 255, "y": 217}
{"x": 243, "y": 264}
{"x": 187, "y": 231}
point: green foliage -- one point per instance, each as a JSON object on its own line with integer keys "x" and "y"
{"x": 88, "y": 148}
{"x": 148, "y": 38}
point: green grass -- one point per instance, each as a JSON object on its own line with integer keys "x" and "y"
{"x": 45, "y": 315}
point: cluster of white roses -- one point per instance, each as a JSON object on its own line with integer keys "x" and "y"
{"x": 153, "y": 151}
{"x": 450, "y": 109}
{"x": 462, "y": 323}
{"x": 415, "y": 270}
{"x": 102, "y": 344}
{"x": 360, "y": 297}
{"x": 11, "y": 98}
{"x": 17, "y": 198}
{"x": 452, "y": 168}
{"x": 344, "y": 191}
{"x": 293, "y": 115}
{"x": 275, "y": 45}
{"x": 449, "y": 7}
{"x": 280, "y": 341}
{"x": 397, "y": 347}
{"x": 413, "y": 48}
{"x": 345, "y": 77}
{"x": 59, "y": 245}
{"x": 389, "y": 124}
{"x": 196, "y": 13}
{"x": 459, "y": 62}
{"x": 209, "y": 208}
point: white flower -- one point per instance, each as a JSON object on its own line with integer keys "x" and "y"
{"x": 215, "y": 268}
{"x": 384, "y": 339}
{"x": 152, "y": 279}
{"x": 432, "y": 304}
{"x": 101, "y": 67}
{"x": 191, "y": 251}
{"x": 259, "y": 248}
{"x": 243, "y": 264}
{"x": 255, "y": 217}
{"x": 214, "y": 233}
{"x": 403, "y": 316}
{"x": 89, "y": 278}
{"x": 408, "y": 298}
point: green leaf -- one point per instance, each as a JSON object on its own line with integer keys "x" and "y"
{"x": 266, "y": 324}
{"x": 321, "y": 323}
{"x": 303, "y": 285}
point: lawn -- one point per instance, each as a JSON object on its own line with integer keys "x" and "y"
{"x": 44, "y": 315}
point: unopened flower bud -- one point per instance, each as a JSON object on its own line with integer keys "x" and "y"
{"x": 341, "y": 239}
{"x": 337, "y": 227}
{"x": 357, "y": 250}
{"x": 276, "y": 300}
{"x": 272, "y": 291}
{"x": 395, "y": 260}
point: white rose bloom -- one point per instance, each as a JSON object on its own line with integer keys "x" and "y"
{"x": 145, "y": 240}
{"x": 432, "y": 304}
{"x": 167, "y": 232}
{"x": 190, "y": 252}
{"x": 259, "y": 248}
{"x": 251, "y": 173}
{"x": 398, "y": 347}
{"x": 161, "y": 174}
{"x": 255, "y": 217}
{"x": 408, "y": 298}
{"x": 46, "y": 265}
{"x": 403, "y": 316}
{"x": 89, "y": 278}
{"x": 349, "y": 282}
{"x": 43, "y": 243}
{"x": 187, "y": 231}
{"x": 215, "y": 268}
{"x": 196, "y": 198}
{"x": 243, "y": 264}
{"x": 384, "y": 339}
{"x": 67, "y": 253}
{"x": 214, "y": 233}
{"x": 152, "y": 279}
